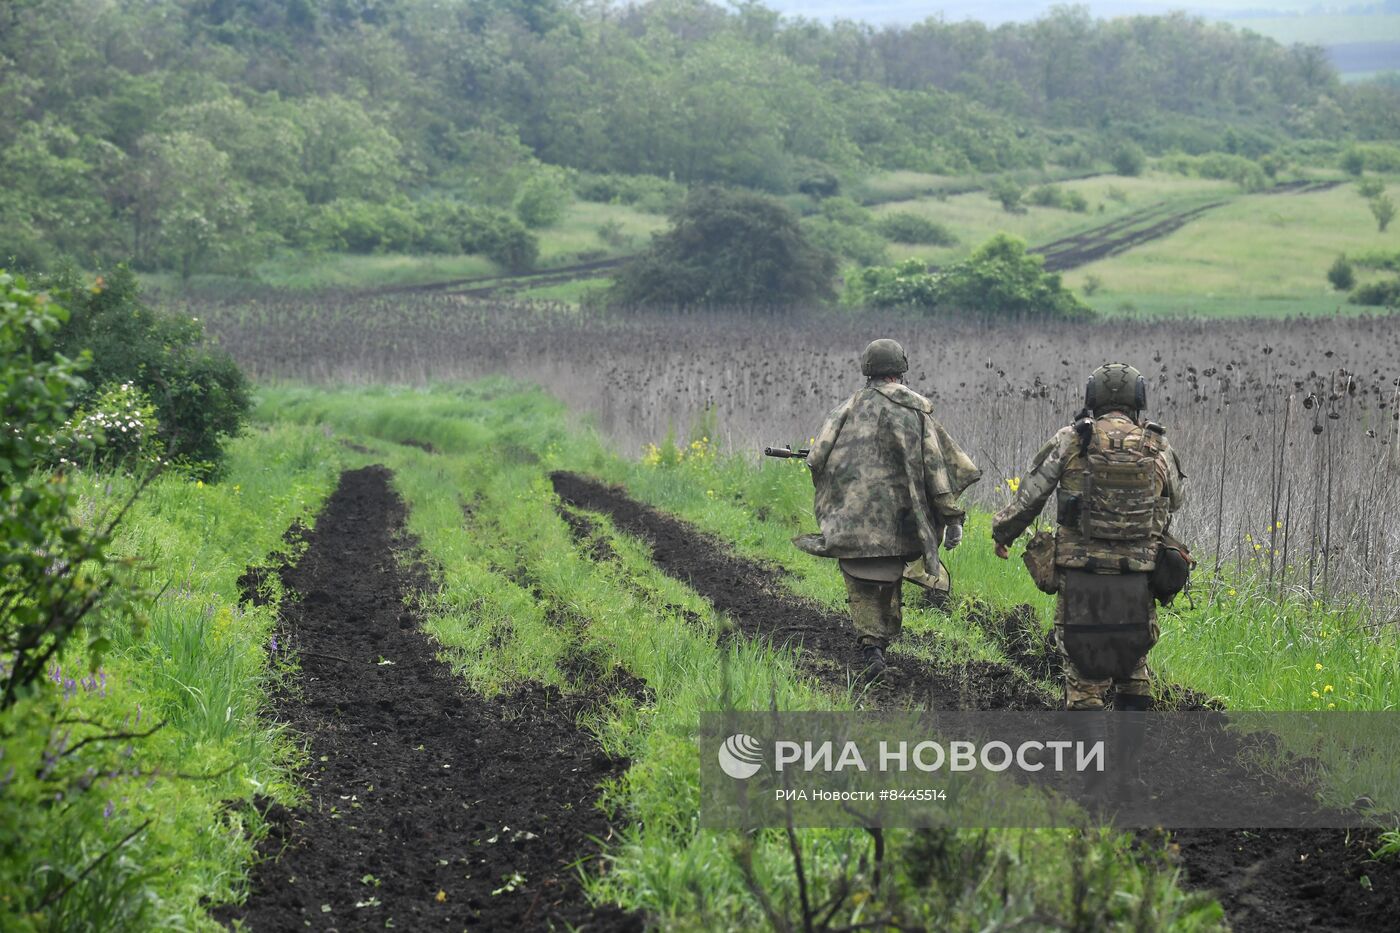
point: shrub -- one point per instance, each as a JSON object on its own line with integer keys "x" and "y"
{"x": 1009, "y": 194}
{"x": 1128, "y": 159}
{"x": 542, "y": 200}
{"x": 200, "y": 396}
{"x": 497, "y": 236}
{"x": 1353, "y": 161}
{"x": 729, "y": 248}
{"x": 850, "y": 241}
{"x": 820, "y": 185}
{"x": 1370, "y": 188}
{"x": 645, "y": 192}
{"x": 999, "y": 279}
{"x": 1383, "y": 209}
{"x": 1341, "y": 274}
{"x": 56, "y": 570}
{"x": 1055, "y": 196}
{"x": 119, "y": 428}
{"x": 611, "y": 233}
{"x": 906, "y": 227}
{"x": 1383, "y": 294}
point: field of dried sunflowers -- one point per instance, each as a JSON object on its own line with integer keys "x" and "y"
{"x": 1288, "y": 429}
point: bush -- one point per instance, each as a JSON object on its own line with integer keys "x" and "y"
{"x": 644, "y": 192}
{"x": 820, "y": 185}
{"x": 1220, "y": 165}
{"x": 1055, "y": 196}
{"x": 1370, "y": 188}
{"x": 1009, "y": 194}
{"x": 1383, "y": 209}
{"x": 57, "y": 568}
{"x": 119, "y": 428}
{"x": 1384, "y": 294}
{"x": 727, "y": 248}
{"x": 1128, "y": 159}
{"x": 1341, "y": 274}
{"x": 200, "y": 396}
{"x": 1353, "y": 161}
{"x": 999, "y": 279}
{"x": 850, "y": 241}
{"x": 542, "y": 200}
{"x": 906, "y": 227}
{"x": 497, "y": 236}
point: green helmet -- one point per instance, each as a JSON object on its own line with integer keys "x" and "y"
{"x": 1115, "y": 385}
{"x": 884, "y": 357}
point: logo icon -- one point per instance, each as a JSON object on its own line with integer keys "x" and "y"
{"x": 740, "y": 756}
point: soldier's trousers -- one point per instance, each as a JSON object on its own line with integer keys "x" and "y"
{"x": 876, "y": 610}
{"x": 1089, "y": 693}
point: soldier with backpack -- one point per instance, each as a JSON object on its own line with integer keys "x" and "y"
{"x": 1117, "y": 481}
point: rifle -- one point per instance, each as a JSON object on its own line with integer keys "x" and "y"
{"x": 786, "y": 453}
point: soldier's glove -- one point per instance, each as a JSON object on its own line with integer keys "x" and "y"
{"x": 952, "y": 537}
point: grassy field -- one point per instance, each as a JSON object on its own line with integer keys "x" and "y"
{"x": 975, "y": 217}
{"x": 1259, "y": 255}
{"x": 504, "y": 599}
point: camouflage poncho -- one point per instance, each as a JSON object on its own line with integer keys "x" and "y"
{"x": 887, "y": 477}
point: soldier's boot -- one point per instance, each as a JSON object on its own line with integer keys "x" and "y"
{"x": 1130, "y": 732}
{"x": 873, "y": 657}
{"x": 1086, "y": 728}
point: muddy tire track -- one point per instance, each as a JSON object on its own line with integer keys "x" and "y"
{"x": 1267, "y": 880}
{"x": 427, "y": 804}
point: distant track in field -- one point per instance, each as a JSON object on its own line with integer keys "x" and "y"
{"x": 1110, "y": 239}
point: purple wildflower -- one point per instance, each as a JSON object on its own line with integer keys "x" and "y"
{"x": 108, "y": 810}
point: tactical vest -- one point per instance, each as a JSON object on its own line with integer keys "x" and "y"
{"x": 1112, "y": 511}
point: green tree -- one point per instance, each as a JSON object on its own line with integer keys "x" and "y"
{"x": 1353, "y": 161}
{"x": 728, "y": 248}
{"x": 1008, "y": 193}
{"x": 1383, "y": 209}
{"x": 1129, "y": 159}
{"x": 186, "y": 205}
{"x": 542, "y": 199}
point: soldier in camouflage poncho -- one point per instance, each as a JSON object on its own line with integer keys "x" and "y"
{"x": 887, "y": 479}
{"x": 1117, "y": 482}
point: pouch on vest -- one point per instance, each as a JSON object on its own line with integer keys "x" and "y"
{"x": 1039, "y": 558}
{"x": 1107, "y": 622}
{"x": 1172, "y": 571}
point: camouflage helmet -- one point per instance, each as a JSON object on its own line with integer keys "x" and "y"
{"x": 1115, "y": 385}
{"x": 884, "y": 357}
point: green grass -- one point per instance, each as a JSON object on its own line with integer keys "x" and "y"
{"x": 1258, "y": 253}
{"x": 518, "y": 597}
{"x": 975, "y": 217}
{"x": 201, "y": 668}
{"x": 576, "y": 239}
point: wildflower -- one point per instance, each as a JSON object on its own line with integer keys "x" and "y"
{"x": 1331, "y": 705}
{"x": 1015, "y": 483}
{"x": 1316, "y": 695}
{"x": 199, "y": 484}
{"x": 1327, "y": 688}
{"x": 1230, "y": 592}
{"x": 1317, "y": 666}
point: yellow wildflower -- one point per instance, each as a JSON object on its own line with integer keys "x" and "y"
{"x": 1327, "y": 688}
{"x": 1015, "y": 483}
{"x": 1316, "y": 695}
{"x": 1317, "y": 666}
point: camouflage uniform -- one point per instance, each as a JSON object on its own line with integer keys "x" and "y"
{"x": 887, "y": 478}
{"x": 1060, "y": 467}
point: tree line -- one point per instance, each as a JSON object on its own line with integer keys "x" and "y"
{"x": 196, "y": 135}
